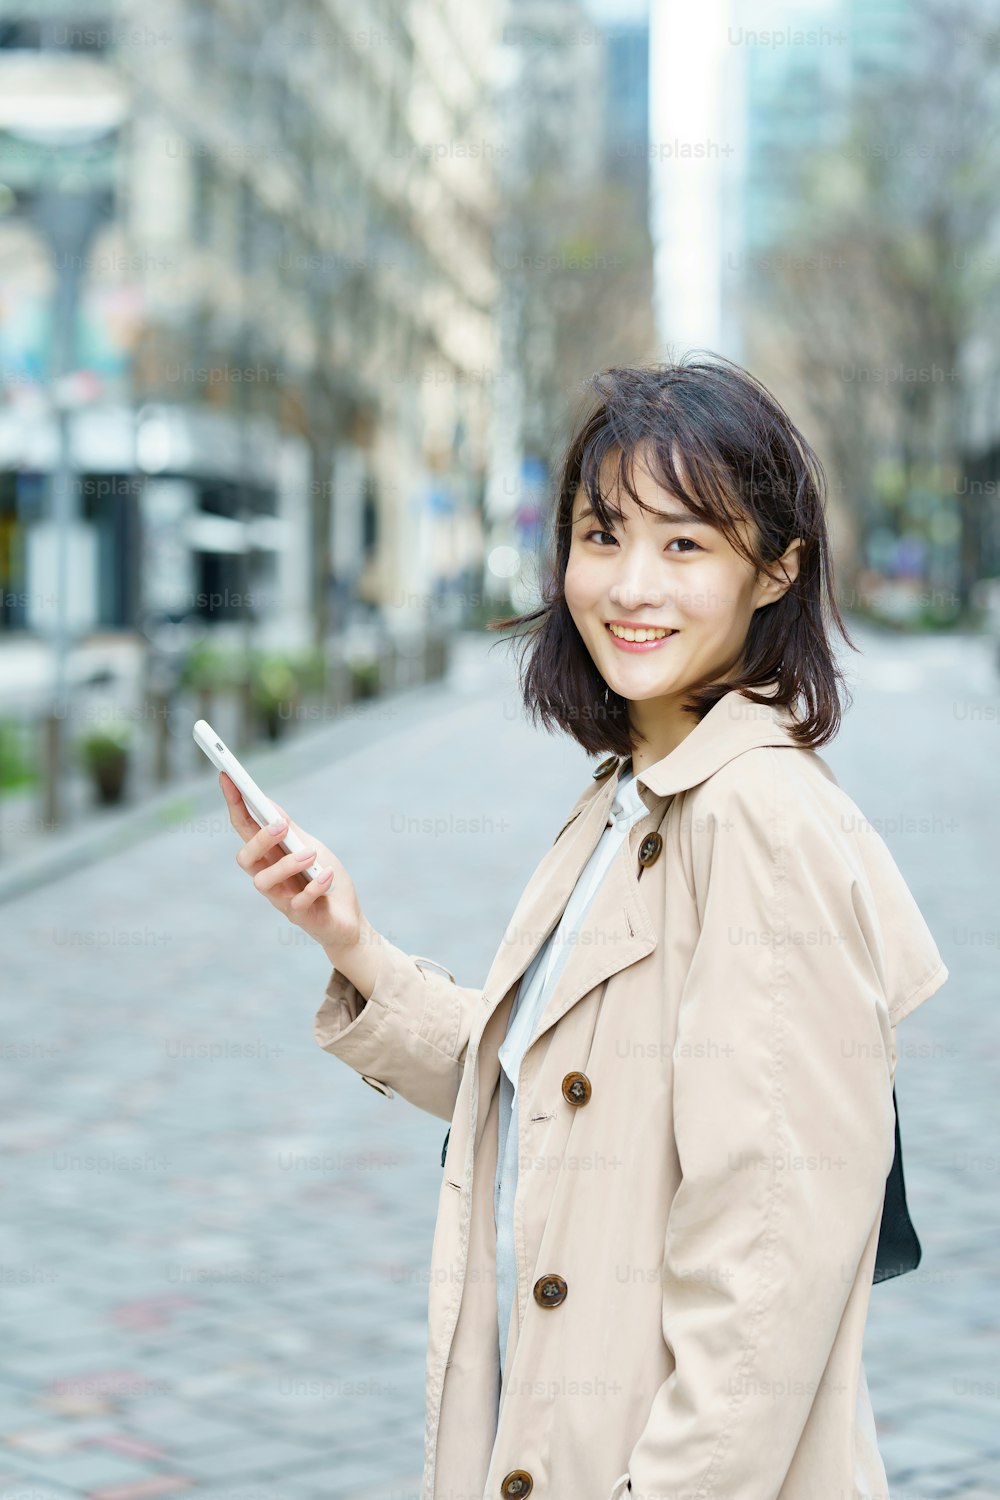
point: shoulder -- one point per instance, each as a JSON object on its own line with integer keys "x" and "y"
{"x": 781, "y": 801}
{"x": 773, "y": 831}
{"x": 765, "y": 779}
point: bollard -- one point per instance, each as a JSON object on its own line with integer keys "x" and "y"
{"x": 386, "y": 665}
{"x": 247, "y": 714}
{"x": 204, "y": 711}
{"x": 159, "y": 702}
{"x": 52, "y": 731}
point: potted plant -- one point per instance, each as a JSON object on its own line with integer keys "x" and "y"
{"x": 312, "y": 670}
{"x": 105, "y": 753}
{"x": 364, "y": 677}
{"x": 276, "y": 689}
{"x": 16, "y": 768}
{"x": 209, "y": 669}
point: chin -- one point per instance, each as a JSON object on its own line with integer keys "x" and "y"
{"x": 639, "y": 692}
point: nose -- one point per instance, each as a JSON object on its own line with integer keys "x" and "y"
{"x": 638, "y": 580}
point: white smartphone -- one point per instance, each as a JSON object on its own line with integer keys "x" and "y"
{"x": 261, "y": 809}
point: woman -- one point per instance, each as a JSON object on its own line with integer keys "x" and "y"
{"x": 671, "y": 1102}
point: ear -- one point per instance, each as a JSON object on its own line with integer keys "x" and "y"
{"x": 780, "y": 575}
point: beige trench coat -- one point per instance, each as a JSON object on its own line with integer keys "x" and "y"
{"x": 712, "y": 1206}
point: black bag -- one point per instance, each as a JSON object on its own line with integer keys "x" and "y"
{"x": 898, "y": 1247}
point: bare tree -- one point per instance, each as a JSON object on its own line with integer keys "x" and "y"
{"x": 883, "y": 286}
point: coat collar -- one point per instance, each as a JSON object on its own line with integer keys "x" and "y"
{"x": 734, "y": 724}
{"x": 731, "y": 726}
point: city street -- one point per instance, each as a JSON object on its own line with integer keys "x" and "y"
{"x": 215, "y": 1237}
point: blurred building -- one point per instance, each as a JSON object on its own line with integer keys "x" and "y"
{"x": 745, "y": 94}
{"x": 286, "y": 308}
{"x": 797, "y": 92}
{"x": 626, "y": 105}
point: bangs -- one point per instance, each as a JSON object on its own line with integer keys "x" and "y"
{"x": 658, "y": 439}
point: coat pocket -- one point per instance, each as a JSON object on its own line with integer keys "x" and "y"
{"x": 422, "y": 962}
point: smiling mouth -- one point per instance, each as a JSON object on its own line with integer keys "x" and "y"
{"x": 639, "y": 634}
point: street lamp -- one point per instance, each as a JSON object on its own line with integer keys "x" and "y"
{"x": 59, "y": 108}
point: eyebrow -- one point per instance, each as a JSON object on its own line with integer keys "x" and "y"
{"x": 660, "y": 518}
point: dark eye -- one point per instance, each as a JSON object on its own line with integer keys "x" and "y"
{"x": 687, "y": 539}
{"x": 597, "y": 533}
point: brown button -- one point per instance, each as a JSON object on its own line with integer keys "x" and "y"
{"x": 517, "y": 1482}
{"x": 649, "y": 849}
{"x": 550, "y": 1290}
{"x": 576, "y": 1088}
{"x": 605, "y": 768}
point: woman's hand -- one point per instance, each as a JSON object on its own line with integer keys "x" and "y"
{"x": 326, "y": 909}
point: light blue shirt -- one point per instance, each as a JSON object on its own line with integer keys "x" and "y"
{"x": 536, "y": 986}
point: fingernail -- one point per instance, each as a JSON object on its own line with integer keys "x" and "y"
{"x": 276, "y": 827}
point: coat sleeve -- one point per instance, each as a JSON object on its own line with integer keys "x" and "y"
{"x": 783, "y": 1120}
{"x": 410, "y": 1036}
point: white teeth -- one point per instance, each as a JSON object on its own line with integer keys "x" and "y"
{"x": 626, "y": 634}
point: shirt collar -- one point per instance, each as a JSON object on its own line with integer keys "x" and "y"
{"x": 628, "y": 804}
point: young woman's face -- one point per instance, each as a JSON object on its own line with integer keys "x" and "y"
{"x": 665, "y": 571}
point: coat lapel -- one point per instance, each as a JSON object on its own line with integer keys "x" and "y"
{"x": 617, "y": 928}
{"x": 547, "y": 893}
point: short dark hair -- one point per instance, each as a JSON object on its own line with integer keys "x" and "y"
{"x": 743, "y": 458}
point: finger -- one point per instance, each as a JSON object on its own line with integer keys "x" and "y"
{"x": 245, "y": 825}
{"x": 283, "y": 869}
{"x": 281, "y": 814}
{"x": 264, "y": 845}
{"x": 316, "y": 888}
{"x": 295, "y": 827}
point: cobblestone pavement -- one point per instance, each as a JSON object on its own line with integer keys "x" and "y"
{"x": 215, "y": 1240}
